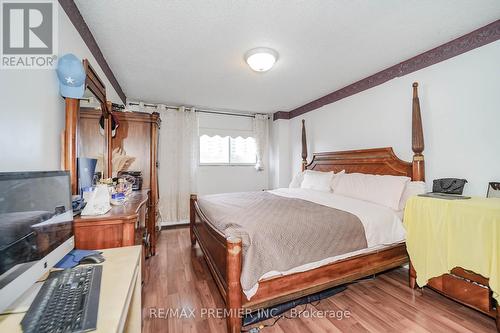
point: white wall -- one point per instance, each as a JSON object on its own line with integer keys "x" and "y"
{"x": 460, "y": 103}
{"x": 32, "y": 111}
{"x": 280, "y": 154}
{"x": 224, "y": 179}
{"x": 221, "y": 179}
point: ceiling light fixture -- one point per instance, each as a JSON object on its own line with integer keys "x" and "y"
{"x": 261, "y": 59}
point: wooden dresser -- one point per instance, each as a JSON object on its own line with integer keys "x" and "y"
{"x": 137, "y": 136}
{"x": 121, "y": 226}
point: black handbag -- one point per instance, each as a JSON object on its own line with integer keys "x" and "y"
{"x": 448, "y": 185}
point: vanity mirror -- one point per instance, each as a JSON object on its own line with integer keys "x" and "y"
{"x": 87, "y": 133}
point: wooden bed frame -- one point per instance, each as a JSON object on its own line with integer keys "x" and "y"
{"x": 224, "y": 256}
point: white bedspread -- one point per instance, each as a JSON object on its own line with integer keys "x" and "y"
{"x": 383, "y": 226}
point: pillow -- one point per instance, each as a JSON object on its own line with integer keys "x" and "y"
{"x": 411, "y": 189}
{"x": 317, "y": 180}
{"x": 297, "y": 180}
{"x": 380, "y": 189}
{"x": 335, "y": 179}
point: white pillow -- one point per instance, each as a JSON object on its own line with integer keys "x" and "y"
{"x": 411, "y": 189}
{"x": 335, "y": 179}
{"x": 297, "y": 180}
{"x": 317, "y": 180}
{"x": 380, "y": 189}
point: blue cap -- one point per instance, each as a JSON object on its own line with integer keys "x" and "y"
{"x": 71, "y": 76}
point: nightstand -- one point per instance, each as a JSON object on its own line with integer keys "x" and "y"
{"x": 453, "y": 247}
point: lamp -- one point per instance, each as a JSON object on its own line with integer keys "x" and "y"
{"x": 261, "y": 59}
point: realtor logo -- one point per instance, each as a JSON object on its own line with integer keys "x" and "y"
{"x": 29, "y": 34}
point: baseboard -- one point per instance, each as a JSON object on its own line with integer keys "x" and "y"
{"x": 174, "y": 226}
{"x": 167, "y": 224}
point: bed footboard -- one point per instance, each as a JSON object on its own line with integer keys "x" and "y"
{"x": 234, "y": 296}
{"x": 224, "y": 258}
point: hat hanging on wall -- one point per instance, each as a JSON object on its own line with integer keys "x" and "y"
{"x": 114, "y": 125}
{"x": 71, "y": 75}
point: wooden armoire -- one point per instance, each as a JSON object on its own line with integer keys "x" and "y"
{"x": 136, "y": 136}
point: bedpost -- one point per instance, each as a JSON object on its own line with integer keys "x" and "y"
{"x": 417, "y": 138}
{"x": 192, "y": 218}
{"x": 233, "y": 275}
{"x": 304, "y": 145}
{"x": 418, "y": 165}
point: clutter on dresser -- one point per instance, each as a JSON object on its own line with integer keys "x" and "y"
{"x": 119, "y": 189}
{"x": 133, "y": 177}
{"x": 78, "y": 203}
{"x": 120, "y": 192}
{"x": 98, "y": 202}
{"x": 120, "y": 161}
{"x": 105, "y": 181}
{"x": 97, "y": 176}
{"x": 86, "y": 192}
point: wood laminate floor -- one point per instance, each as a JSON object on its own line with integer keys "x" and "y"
{"x": 181, "y": 293}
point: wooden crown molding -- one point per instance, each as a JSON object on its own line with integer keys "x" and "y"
{"x": 468, "y": 42}
{"x": 76, "y": 18}
{"x": 281, "y": 115}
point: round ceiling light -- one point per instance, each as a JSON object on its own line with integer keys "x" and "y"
{"x": 261, "y": 59}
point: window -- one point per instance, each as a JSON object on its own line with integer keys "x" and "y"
{"x": 214, "y": 149}
{"x": 227, "y": 150}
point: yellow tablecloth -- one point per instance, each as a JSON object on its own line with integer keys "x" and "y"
{"x": 444, "y": 234}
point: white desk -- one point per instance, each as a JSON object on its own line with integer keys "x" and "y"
{"x": 120, "y": 296}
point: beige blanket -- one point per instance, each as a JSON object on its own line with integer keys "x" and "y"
{"x": 281, "y": 233}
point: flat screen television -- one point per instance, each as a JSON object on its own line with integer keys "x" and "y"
{"x": 36, "y": 228}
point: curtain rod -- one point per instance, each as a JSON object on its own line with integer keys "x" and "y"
{"x": 225, "y": 113}
{"x": 252, "y": 115}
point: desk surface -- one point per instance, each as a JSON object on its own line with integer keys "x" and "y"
{"x": 119, "y": 276}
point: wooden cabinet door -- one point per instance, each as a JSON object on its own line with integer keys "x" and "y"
{"x": 134, "y": 137}
{"x": 98, "y": 237}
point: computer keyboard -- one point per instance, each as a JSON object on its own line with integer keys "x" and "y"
{"x": 67, "y": 302}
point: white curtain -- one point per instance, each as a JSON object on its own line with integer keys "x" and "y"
{"x": 178, "y": 162}
{"x": 260, "y": 125}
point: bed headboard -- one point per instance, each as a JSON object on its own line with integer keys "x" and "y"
{"x": 380, "y": 161}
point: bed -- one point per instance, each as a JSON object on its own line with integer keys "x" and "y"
{"x": 224, "y": 255}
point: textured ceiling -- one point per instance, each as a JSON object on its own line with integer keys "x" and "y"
{"x": 191, "y": 52}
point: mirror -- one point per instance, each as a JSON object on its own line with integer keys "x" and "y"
{"x": 91, "y": 135}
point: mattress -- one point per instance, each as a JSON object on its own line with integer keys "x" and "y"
{"x": 382, "y": 228}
